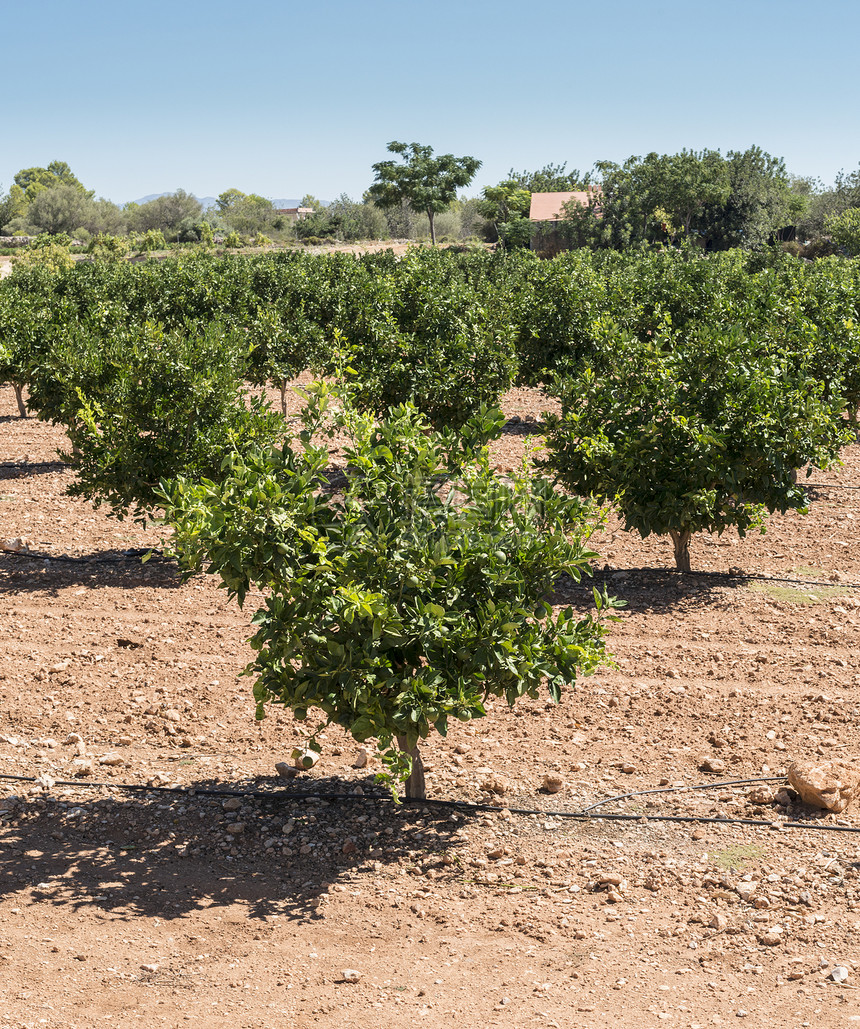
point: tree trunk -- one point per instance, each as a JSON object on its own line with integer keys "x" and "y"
{"x": 681, "y": 542}
{"x": 432, "y": 216}
{"x": 284, "y": 398}
{"x": 415, "y": 788}
{"x": 19, "y": 396}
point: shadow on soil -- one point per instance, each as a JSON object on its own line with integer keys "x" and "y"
{"x": 522, "y": 427}
{"x": 646, "y": 589}
{"x": 51, "y": 573}
{"x": 170, "y": 855}
{"x": 13, "y": 470}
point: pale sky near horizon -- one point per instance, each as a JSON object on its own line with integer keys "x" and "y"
{"x": 281, "y": 99}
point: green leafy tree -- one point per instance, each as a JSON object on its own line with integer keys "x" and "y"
{"x": 166, "y": 213}
{"x": 736, "y": 200}
{"x": 552, "y": 178}
{"x": 844, "y": 229}
{"x": 410, "y": 596}
{"x": 141, "y": 405}
{"x": 246, "y": 212}
{"x": 33, "y": 180}
{"x": 689, "y": 435}
{"x": 426, "y": 183}
{"x": 507, "y": 207}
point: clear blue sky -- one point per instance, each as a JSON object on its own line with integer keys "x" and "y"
{"x": 282, "y": 99}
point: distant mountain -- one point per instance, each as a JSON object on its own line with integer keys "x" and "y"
{"x": 208, "y": 202}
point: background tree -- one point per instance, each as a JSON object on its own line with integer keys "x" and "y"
{"x": 736, "y": 200}
{"x": 58, "y": 173}
{"x": 166, "y": 212}
{"x": 507, "y": 207}
{"x": 844, "y": 229}
{"x": 246, "y": 212}
{"x": 426, "y": 183}
{"x": 552, "y": 178}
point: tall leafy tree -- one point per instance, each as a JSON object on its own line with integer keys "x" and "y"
{"x": 428, "y": 184}
{"x": 736, "y": 200}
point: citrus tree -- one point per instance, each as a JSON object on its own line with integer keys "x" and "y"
{"x": 689, "y": 433}
{"x": 411, "y": 594}
{"x": 141, "y": 404}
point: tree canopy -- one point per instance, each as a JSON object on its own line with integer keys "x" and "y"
{"x": 736, "y": 200}
{"x": 425, "y": 182}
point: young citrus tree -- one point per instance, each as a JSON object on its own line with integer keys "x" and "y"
{"x": 409, "y": 595}
{"x": 142, "y": 404}
{"x": 701, "y": 432}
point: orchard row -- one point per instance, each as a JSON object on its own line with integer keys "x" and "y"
{"x": 692, "y": 386}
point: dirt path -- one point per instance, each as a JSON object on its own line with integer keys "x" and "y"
{"x": 138, "y": 908}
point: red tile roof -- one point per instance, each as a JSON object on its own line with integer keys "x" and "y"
{"x": 549, "y": 207}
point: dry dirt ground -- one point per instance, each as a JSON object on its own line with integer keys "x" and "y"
{"x": 124, "y": 904}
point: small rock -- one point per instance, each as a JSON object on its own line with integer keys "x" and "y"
{"x": 718, "y": 922}
{"x": 111, "y": 759}
{"x": 612, "y": 879}
{"x": 285, "y": 770}
{"x": 713, "y": 764}
{"x": 149, "y": 968}
{"x": 14, "y": 546}
{"x": 745, "y": 890}
{"x": 831, "y": 785}
{"x": 495, "y": 785}
{"x": 171, "y": 715}
{"x": 236, "y": 827}
{"x": 232, "y": 804}
{"x": 350, "y": 975}
{"x": 839, "y": 974}
{"x": 361, "y": 759}
{"x": 771, "y": 937}
{"x": 80, "y": 767}
{"x": 761, "y": 795}
{"x": 552, "y": 783}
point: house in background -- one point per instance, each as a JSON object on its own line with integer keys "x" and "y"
{"x": 295, "y": 214}
{"x": 546, "y": 210}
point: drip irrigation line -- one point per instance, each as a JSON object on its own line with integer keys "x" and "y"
{"x": 827, "y": 485}
{"x": 683, "y": 789}
{"x": 454, "y": 805}
{"x": 755, "y": 576}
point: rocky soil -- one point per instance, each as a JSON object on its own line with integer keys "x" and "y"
{"x": 156, "y": 870}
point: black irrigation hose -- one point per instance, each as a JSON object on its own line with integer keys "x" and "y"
{"x": 462, "y": 805}
{"x": 683, "y": 789}
{"x": 755, "y": 576}
{"x": 827, "y": 485}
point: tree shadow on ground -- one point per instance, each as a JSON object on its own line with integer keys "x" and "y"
{"x": 523, "y": 427}
{"x": 647, "y": 590}
{"x": 10, "y": 470}
{"x": 172, "y": 854}
{"x": 114, "y": 568}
